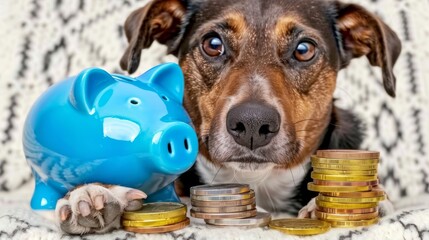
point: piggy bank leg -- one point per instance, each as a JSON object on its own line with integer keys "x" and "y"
{"x": 166, "y": 194}
{"x": 45, "y": 197}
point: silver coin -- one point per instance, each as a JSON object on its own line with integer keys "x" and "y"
{"x": 244, "y": 214}
{"x": 243, "y": 202}
{"x": 224, "y": 209}
{"x": 260, "y": 220}
{"x": 218, "y": 189}
{"x": 229, "y": 197}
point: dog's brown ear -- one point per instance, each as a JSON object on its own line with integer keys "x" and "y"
{"x": 365, "y": 34}
{"x": 159, "y": 20}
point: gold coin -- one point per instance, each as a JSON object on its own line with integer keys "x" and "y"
{"x": 348, "y": 154}
{"x": 156, "y": 211}
{"x": 320, "y": 188}
{"x": 220, "y": 189}
{"x": 345, "y": 167}
{"x": 318, "y": 160}
{"x": 345, "y": 217}
{"x": 346, "y": 211}
{"x": 358, "y": 223}
{"x": 160, "y": 229}
{"x": 321, "y": 197}
{"x": 300, "y": 226}
{"x": 325, "y": 177}
{"x": 244, "y": 214}
{"x": 375, "y": 192}
{"x": 260, "y": 220}
{"x": 345, "y": 205}
{"x": 154, "y": 223}
{"x": 345, "y": 172}
{"x": 337, "y": 183}
{"x": 231, "y": 197}
{"x": 224, "y": 209}
{"x": 243, "y": 202}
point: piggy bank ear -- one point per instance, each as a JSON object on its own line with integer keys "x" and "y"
{"x": 88, "y": 84}
{"x": 168, "y": 77}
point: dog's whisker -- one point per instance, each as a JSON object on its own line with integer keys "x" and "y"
{"x": 308, "y": 119}
{"x": 293, "y": 178}
{"x": 309, "y": 131}
{"x": 335, "y": 125}
{"x": 344, "y": 91}
{"x": 303, "y": 168}
{"x": 305, "y": 130}
{"x": 235, "y": 176}
{"x": 304, "y": 136}
{"x": 304, "y": 141}
{"x": 316, "y": 120}
{"x": 273, "y": 206}
{"x": 217, "y": 172}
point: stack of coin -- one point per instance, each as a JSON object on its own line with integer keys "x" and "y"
{"x": 227, "y": 205}
{"x": 159, "y": 217}
{"x": 348, "y": 185}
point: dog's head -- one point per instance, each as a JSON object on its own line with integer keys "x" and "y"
{"x": 260, "y": 75}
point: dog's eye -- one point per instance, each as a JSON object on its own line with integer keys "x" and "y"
{"x": 213, "y": 46}
{"x": 305, "y": 51}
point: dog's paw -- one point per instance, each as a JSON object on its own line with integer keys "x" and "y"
{"x": 94, "y": 208}
{"x": 309, "y": 210}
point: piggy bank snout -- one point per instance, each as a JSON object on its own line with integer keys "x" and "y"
{"x": 176, "y": 146}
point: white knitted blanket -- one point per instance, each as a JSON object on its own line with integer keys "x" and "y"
{"x": 17, "y": 221}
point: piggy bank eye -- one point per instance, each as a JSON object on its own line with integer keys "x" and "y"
{"x": 165, "y": 98}
{"x": 135, "y": 101}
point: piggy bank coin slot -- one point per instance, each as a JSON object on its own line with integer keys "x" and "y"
{"x": 124, "y": 78}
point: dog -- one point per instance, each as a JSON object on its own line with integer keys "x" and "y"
{"x": 260, "y": 77}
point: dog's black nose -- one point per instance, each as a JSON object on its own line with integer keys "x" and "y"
{"x": 253, "y": 124}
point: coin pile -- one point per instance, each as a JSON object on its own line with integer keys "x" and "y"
{"x": 227, "y": 205}
{"x": 348, "y": 189}
{"x": 159, "y": 217}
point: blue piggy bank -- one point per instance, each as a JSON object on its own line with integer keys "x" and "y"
{"x": 113, "y": 129}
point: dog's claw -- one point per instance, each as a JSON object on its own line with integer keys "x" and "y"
{"x": 65, "y": 212}
{"x": 309, "y": 210}
{"x": 99, "y": 202}
{"x": 303, "y": 213}
{"x": 84, "y": 208}
{"x": 135, "y": 194}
